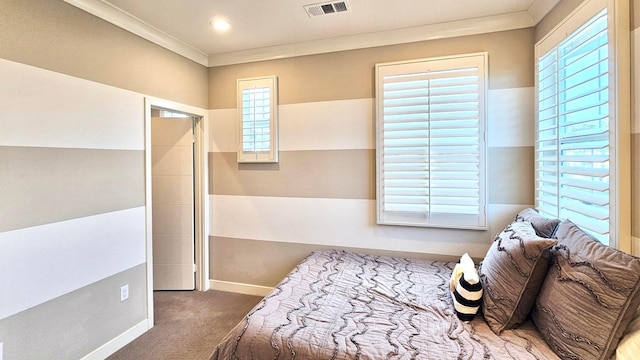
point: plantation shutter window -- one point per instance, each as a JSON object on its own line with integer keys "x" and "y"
{"x": 576, "y": 135}
{"x": 431, "y": 142}
{"x": 258, "y": 119}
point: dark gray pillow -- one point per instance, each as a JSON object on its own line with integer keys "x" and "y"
{"x": 589, "y": 296}
{"x": 512, "y": 273}
{"x": 544, "y": 226}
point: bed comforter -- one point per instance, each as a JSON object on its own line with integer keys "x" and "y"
{"x": 343, "y": 305}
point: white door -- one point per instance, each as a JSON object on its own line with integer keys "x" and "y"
{"x": 173, "y": 210}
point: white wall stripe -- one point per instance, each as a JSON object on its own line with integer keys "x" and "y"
{"x": 40, "y": 263}
{"x": 511, "y": 117}
{"x": 350, "y": 124}
{"x": 345, "y": 223}
{"x": 42, "y": 108}
{"x": 326, "y": 125}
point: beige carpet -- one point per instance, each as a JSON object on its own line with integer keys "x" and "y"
{"x": 188, "y": 325}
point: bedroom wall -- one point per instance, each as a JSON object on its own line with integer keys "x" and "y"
{"x": 265, "y": 218}
{"x": 72, "y": 214}
{"x": 555, "y": 16}
{"x": 57, "y": 36}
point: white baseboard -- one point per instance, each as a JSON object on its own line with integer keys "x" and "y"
{"x": 241, "y": 288}
{"x": 118, "y": 342}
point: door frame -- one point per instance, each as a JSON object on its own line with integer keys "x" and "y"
{"x": 200, "y": 187}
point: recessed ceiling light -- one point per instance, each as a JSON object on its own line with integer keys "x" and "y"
{"x": 220, "y": 24}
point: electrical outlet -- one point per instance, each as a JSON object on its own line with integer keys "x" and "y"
{"x": 124, "y": 293}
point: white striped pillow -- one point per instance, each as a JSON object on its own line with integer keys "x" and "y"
{"x": 466, "y": 289}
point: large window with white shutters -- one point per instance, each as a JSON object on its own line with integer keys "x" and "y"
{"x": 258, "y": 119}
{"x": 431, "y": 147}
{"x": 577, "y": 126}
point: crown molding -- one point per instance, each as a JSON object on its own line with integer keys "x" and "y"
{"x": 138, "y": 27}
{"x": 414, "y": 34}
{"x": 467, "y": 27}
{"x": 540, "y": 8}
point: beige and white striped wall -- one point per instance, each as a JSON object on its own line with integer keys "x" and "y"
{"x": 72, "y": 177}
{"x": 72, "y": 167}
{"x": 266, "y": 217}
{"x": 73, "y": 209}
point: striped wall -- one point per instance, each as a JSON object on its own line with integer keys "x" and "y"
{"x": 72, "y": 184}
{"x": 72, "y": 233}
{"x": 266, "y": 217}
{"x": 73, "y": 208}
{"x": 56, "y": 36}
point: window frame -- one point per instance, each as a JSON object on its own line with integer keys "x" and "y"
{"x": 264, "y": 156}
{"x": 619, "y": 106}
{"x": 435, "y": 220}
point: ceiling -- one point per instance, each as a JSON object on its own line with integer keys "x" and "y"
{"x": 264, "y": 29}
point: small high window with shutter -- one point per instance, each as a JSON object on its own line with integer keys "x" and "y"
{"x": 431, "y": 142}
{"x": 258, "y": 119}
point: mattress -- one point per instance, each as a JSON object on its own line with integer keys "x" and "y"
{"x": 344, "y": 305}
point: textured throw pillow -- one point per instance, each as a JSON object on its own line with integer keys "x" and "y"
{"x": 544, "y": 226}
{"x": 589, "y": 296}
{"x": 512, "y": 273}
{"x": 466, "y": 290}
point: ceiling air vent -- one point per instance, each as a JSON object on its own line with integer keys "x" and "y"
{"x": 326, "y": 8}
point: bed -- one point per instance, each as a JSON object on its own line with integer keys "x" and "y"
{"x": 343, "y": 305}
{"x": 347, "y": 305}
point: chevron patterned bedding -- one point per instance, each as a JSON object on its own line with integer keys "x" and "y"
{"x": 344, "y": 305}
